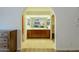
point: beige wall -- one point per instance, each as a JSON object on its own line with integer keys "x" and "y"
{"x": 67, "y": 28}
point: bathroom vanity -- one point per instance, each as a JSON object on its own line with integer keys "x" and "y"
{"x": 38, "y": 29}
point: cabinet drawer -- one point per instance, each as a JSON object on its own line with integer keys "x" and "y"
{"x": 3, "y": 41}
{"x": 3, "y": 45}
{"x": 4, "y": 34}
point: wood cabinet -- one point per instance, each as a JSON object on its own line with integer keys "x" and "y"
{"x": 12, "y": 41}
{"x": 8, "y": 40}
{"x": 38, "y": 34}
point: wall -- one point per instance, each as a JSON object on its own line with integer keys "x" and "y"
{"x": 67, "y": 26}
{"x": 10, "y": 19}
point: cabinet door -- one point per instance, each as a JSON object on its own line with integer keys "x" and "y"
{"x": 12, "y": 41}
{"x": 38, "y": 34}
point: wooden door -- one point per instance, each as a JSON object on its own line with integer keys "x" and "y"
{"x": 12, "y": 41}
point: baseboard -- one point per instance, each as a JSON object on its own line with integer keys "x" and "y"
{"x": 37, "y": 50}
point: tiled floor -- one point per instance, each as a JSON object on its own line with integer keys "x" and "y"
{"x": 38, "y": 45}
